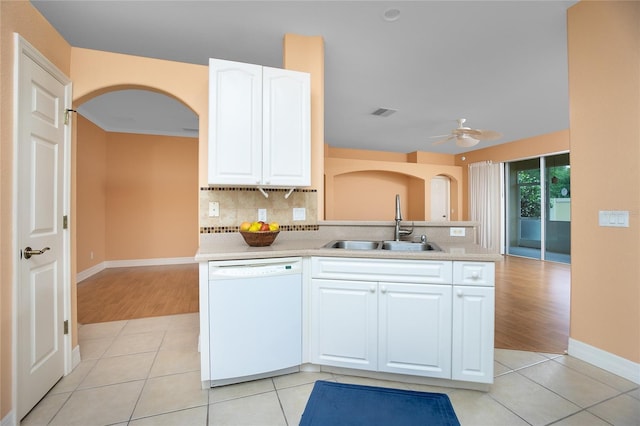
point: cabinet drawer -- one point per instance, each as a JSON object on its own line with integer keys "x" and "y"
{"x": 474, "y": 273}
{"x": 395, "y": 270}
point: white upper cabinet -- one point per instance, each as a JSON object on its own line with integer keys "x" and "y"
{"x": 259, "y": 125}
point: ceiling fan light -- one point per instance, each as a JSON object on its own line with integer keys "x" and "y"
{"x": 466, "y": 141}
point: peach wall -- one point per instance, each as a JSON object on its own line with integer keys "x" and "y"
{"x": 138, "y": 183}
{"x": 604, "y": 86}
{"x": 94, "y": 73}
{"x": 151, "y": 197}
{"x": 536, "y": 146}
{"x": 306, "y": 53}
{"x": 370, "y": 196}
{"x": 20, "y": 17}
{"x": 364, "y": 154}
{"x": 365, "y": 188}
{"x": 91, "y": 194}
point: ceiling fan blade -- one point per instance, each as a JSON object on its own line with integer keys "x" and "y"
{"x": 439, "y": 136}
{"x": 448, "y": 138}
{"x": 487, "y": 135}
{"x": 466, "y": 131}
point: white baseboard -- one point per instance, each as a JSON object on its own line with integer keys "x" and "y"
{"x": 83, "y": 275}
{"x": 607, "y": 361}
{"x": 9, "y": 419}
{"x": 75, "y": 357}
{"x": 149, "y": 262}
{"x": 80, "y": 276}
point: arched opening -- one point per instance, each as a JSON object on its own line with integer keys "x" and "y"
{"x": 136, "y": 182}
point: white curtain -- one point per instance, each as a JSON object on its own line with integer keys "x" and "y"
{"x": 484, "y": 190}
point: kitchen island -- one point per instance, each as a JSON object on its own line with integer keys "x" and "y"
{"x": 420, "y": 316}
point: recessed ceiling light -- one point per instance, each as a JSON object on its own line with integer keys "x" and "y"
{"x": 391, "y": 15}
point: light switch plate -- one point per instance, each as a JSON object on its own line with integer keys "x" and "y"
{"x": 456, "y": 232}
{"x": 262, "y": 215}
{"x": 614, "y": 218}
{"x": 299, "y": 213}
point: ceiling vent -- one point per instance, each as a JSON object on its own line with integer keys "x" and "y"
{"x": 384, "y": 112}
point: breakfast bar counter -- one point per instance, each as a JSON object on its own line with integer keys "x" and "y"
{"x": 231, "y": 246}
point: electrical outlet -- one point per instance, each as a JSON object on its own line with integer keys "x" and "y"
{"x": 456, "y": 232}
{"x": 262, "y": 215}
{"x": 214, "y": 209}
{"x": 299, "y": 213}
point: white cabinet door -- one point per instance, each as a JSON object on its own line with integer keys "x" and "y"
{"x": 414, "y": 323}
{"x": 343, "y": 323}
{"x": 259, "y": 125}
{"x": 286, "y": 139}
{"x": 473, "y": 333}
{"x": 235, "y": 123}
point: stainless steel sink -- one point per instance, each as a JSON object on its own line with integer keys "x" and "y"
{"x": 409, "y": 246}
{"x": 382, "y": 245}
{"x": 354, "y": 244}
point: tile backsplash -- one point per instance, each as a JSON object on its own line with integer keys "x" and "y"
{"x": 237, "y": 205}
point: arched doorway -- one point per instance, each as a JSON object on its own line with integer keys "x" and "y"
{"x": 137, "y": 182}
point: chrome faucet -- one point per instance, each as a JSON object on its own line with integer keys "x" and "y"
{"x": 400, "y": 231}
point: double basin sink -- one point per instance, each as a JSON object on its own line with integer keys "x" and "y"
{"x": 382, "y": 245}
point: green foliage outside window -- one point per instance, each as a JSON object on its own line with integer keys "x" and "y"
{"x": 559, "y": 178}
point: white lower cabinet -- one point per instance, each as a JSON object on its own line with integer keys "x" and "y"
{"x": 414, "y": 329}
{"x": 344, "y": 323}
{"x": 473, "y": 321}
{"x": 392, "y": 327}
{"x": 427, "y": 326}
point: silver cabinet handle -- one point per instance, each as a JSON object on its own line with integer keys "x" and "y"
{"x": 28, "y": 252}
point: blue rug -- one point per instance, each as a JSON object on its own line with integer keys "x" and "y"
{"x": 342, "y": 404}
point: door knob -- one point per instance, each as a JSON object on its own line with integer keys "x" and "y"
{"x": 28, "y": 252}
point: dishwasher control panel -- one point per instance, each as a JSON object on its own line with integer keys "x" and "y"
{"x": 255, "y": 268}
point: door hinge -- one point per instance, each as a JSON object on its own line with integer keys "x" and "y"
{"x": 66, "y": 115}
{"x": 66, "y": 326}
{"x": 65, "y": 221}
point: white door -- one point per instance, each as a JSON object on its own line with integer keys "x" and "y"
{"x": 41, "y": 203}
{"x": 440, "y": 199}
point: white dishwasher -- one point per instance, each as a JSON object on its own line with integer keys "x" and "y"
{"x": 255, "y": 318}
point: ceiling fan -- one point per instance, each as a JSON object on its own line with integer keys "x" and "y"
{"x": 466, "y": 136}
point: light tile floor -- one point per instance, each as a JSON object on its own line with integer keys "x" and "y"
{"x": 146, "y": 372}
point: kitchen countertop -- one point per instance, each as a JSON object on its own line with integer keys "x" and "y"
{"x": 232, "y": 247}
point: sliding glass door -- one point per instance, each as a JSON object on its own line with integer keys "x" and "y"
{"x": 538, "y": 206}
{"x": 557, "y": 241}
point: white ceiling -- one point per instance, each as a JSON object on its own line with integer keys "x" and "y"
{"x": 502, "y": 65}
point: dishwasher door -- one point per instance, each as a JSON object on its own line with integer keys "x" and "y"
{"x": 255, "y": 314}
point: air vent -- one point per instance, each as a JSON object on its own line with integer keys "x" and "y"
{"x": 384, "y": 112}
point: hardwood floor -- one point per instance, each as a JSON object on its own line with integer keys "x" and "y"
{"x": 532, "y": 305}
{"x": 532, "y": 299}
{"x": 138, "y": 292}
